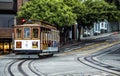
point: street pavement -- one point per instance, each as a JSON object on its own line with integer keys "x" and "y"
{"x": 112, "y": 58}
{"x": 64, "y": 63}
{"x": 84, "y": 41}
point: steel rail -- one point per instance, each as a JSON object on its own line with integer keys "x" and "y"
{"x": 91, "y": 59}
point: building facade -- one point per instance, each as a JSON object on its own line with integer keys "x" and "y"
{"x": 8, "y": 11}
{"x": 101, "y": 27}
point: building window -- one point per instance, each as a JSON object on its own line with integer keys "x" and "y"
{"x": 102, "y": 24}
{"x": 106, "y": 25}
{"x": 19, "y": 33}
{"x": 27, "y": 32}
{"x": 98, "y": 27}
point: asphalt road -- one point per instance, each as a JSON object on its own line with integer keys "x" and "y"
{"x": 105, "y": 59}
{"x": 76, "y": 60}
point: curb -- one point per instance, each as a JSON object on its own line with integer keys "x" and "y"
{"x": 91, "y": 51}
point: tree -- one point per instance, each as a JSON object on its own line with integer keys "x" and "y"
{"x": 80, "y": 10}
{"x": 91, "y": 11}
{"x": 103, "y": 10}
{"x": 65, "y": 13}
{"x": 116, "y": 2}
{"x": 53, "y": 11}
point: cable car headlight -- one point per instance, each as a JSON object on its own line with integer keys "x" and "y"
{"x": 19, "y": 44}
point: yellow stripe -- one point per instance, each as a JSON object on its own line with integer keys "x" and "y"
{"x": 85, "y": 48}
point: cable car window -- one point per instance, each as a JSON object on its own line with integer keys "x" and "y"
{"x": 35, "y": 33}
{"x": 27, "y": 32}
{"x": 18, "y": 33}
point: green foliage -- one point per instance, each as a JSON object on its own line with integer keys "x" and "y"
{"x": 101, "y": 10}
{"x": 116, "y": 2}
{"x": 67, "y": 12}
{"x": 79, "y": 9}
{"x": 91, "y": 11}
{"x": 52, "y": 11}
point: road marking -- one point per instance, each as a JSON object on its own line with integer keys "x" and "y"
{"x": 84, "y": 48}
{"x": 89, "y": 43}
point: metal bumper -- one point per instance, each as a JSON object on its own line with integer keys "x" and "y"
{"x": 27, "y": 51}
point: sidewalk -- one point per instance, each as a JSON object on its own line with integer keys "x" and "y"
{"x": 98, "y": 36}
{"x": 83, "y": 40}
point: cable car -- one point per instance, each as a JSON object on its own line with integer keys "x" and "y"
{"x": 36, "y": 38}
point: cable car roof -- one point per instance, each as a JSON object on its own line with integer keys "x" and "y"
{"x": 40, "y": 24}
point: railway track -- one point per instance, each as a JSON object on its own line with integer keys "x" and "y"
{"x": 30, "y": 67}
{"x": 92, "y": 61}
{"x": 22, "y": 67}
{"x": 8, "y": 67}
{"x": 26, "y": 66}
